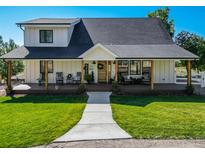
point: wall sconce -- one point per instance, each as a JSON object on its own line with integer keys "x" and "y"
{"x": 94, "y": 62}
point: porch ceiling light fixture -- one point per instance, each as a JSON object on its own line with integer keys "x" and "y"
{"x": 94, "y": 62}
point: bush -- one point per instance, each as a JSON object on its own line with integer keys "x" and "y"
{"x": 115, "y": 87}
{"x": 8, "y": 91}
{"x": 82, "y": 88}
{"x": 189, "y": 90}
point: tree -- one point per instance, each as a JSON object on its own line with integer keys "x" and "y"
{"x": 163, "y": 14}
{"x": 194, "y": 44}
{"x": 17, "y": 66}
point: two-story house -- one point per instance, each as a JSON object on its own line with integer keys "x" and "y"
{"x": 105, "y": 49}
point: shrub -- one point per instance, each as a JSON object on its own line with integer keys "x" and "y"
{"x": 115, "y": 87}
{"x": 111, "y": 80}
{"x": 189, "y": 90}
{"x": 81, "y": 88}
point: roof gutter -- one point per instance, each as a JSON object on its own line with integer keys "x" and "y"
{"x": 28, "y": 24}
{"x": 19, "y": 25}
{"x": 159, "y": 58}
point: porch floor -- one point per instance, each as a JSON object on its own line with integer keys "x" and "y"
{"x": 138, "y": 89}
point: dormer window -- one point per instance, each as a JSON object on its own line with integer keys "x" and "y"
{"x": 46, "y": 36}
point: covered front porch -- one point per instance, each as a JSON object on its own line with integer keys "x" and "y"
{"x": 154, "y": 77}
{"x": 100, "y": 64}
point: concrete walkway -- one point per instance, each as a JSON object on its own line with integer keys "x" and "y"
{"x": 96, "y": 122}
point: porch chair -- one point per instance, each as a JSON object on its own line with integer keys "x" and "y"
{"x": 69, "y": 79}
{"x": 77, "y": 78}
{"x": 59, "y": 78}
{"x": 126, "y": 79}
{"x": 41, "y": 79}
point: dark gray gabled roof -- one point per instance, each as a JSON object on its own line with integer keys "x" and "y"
{"x": 70, "y": 52}
{"x": 120, "y": 31}
{"x": 162, "y": 51}
{"x": 170, "y": 51}
{"x": 49, "y": 21}
{"x": 125, "y": 37}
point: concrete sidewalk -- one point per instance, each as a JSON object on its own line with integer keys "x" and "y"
{"x": 96, "y": 122}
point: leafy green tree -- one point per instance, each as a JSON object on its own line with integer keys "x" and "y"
{"x": 194, "y": 44}
{"x": 17, "y": 66}
{"x": 163, "y": 14}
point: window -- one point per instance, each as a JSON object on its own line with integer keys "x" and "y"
{"x": 50, "y": 66}
{"x": 46, "y": 36}
{"x": 123, "y": 66}
{"x": 146, "y": 66}
{"x": 135, "y": 67}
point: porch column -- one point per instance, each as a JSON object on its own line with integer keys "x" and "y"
{"x": 189, "y": 73}
{"x": 46, "y": 74}
{"x": 82, "y": 72}
{"x": 107, "y": 75}
{"x": 152, "y": 75}
{"x": 9, "y": 74}
{"x": 111, "y": 62}
{"x": 116, "y": 70}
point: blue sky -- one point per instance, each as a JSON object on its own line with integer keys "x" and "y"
{"x": 186, "y": 18}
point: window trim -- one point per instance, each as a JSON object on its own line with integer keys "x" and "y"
{"x": 120, "y": 63}
{"x": 40, "y": 39}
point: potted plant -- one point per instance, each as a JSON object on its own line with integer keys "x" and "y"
{"x": 88, "y": 78}
{"x": 189, "y": 90}
{"x": 92, "y": 77}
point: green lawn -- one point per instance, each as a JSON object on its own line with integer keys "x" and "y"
{"x": 35, "y": 120}
{"x": 161, "y": 117}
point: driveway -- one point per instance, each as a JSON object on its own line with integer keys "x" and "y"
{"x": 130, "y": 143}
{"x": 96, "y": 122}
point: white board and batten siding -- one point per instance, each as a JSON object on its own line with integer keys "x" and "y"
{"x": 164, "y": 71}
{"x": 67, "y": 67}
{"x": 61, "y": 36}
{"x": 32, "y": 70}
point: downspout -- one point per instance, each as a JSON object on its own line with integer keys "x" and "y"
{"x": 23, "y": 33}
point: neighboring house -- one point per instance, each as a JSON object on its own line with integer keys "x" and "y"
{"x": 109, "y": 48}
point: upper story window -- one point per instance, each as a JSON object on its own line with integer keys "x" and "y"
{"x": 46, "y": 36}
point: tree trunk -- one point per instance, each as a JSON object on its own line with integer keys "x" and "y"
{"x": 0, "y": 78}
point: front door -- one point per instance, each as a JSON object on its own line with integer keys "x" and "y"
{"x": 102, "y": 71}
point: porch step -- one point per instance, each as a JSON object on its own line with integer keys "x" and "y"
{"x": 99, "y": 87}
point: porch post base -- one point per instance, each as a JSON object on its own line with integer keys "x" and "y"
{"x": 152, "y": 75}
{"x": 9, "y": 74}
